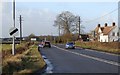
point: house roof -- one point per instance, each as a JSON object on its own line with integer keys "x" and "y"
{"x": 105, "y": 30}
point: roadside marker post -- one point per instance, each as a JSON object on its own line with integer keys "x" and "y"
{"x": 13, "y": 32}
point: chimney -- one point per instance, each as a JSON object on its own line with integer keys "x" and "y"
{"x": 98, "y": 25}
{"x": 113, "y": 24}
{"x": 105, "y": 24}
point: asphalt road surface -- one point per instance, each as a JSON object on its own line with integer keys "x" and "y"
{"x": 80, "y": 60}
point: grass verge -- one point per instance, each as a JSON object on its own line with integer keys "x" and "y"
{"x": 25, "y": 63}
{"x": 111, "y": 47}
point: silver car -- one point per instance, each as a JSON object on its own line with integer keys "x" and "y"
{"x": 70, "y": 45}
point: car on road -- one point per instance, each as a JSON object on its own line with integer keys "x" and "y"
{"x": 46, "y": 44}
{"x": 40, "y": 46}
{"x": 70, "y": 45}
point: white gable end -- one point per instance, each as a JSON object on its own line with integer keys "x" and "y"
{"x": 114, "y": 37}
{"x": 99, "y": 31}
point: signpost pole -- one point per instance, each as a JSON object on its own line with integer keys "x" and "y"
{"x": 13, "y": 46}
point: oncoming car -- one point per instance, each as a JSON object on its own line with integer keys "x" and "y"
{"x": 47, "y": 44}
{"x": 70, "y": 45}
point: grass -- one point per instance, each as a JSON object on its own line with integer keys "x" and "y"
{"x": 112, "y": 47}
{"x": 7, "y": 49}
{"x": 0, "y": 47}
{"x": 25, "y": 63}
{"x": 0, "y": 59}
{"x": 9, "y": 46}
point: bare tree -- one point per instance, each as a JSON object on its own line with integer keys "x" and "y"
{"x": 66, "y": 22}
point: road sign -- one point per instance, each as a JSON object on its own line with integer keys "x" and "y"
{"x": 13, "y": 31}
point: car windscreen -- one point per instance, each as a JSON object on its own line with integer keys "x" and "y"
{"x": 47, "y": 42}
{"x": 70, "y": 43}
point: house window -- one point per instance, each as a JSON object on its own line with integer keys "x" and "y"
{"x": 113, "y": 34}
{"x": 118, "y": 34}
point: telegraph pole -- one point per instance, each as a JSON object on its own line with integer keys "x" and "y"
{"x": 59, "y": 30}
{"x": 59, "y": 34}
{"x": 13, "y": 46}
{"x": 20, "y": 28}
{"x": 79, "y": 25}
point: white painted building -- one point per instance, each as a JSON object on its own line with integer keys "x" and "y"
{"x": 108, "y": 33}
{"x": 33, "y": 39}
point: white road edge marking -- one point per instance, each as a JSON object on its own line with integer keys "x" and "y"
{"x": 91, "y": 57}
{"x": 102, "y": 52}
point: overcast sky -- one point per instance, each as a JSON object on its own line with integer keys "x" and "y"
{"x": 38, "y": 17}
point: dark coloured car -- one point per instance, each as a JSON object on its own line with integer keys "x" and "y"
{"x": 70, "y": 45}
{"x": 46, "y": 44}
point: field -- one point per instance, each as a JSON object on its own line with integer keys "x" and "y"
{"x": 9, "y": 46}
{"x": 0, "y": 47}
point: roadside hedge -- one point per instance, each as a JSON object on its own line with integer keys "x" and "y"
{"x": 112, "y": 47}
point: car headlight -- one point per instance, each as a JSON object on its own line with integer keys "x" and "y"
{"x": 40, "y": 45}
{"x": 67, "y": 45}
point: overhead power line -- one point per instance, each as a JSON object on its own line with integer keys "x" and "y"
{"x": 101, "y": 16}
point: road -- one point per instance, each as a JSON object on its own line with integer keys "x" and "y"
{"x": 80, "y": 60}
